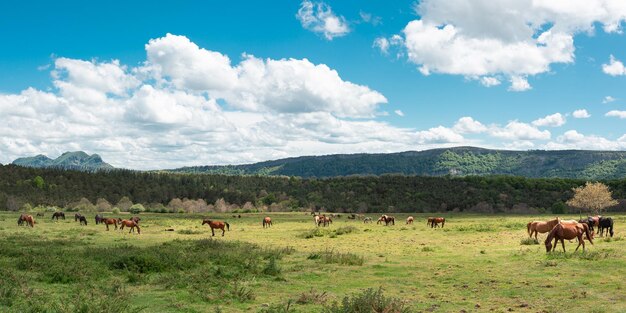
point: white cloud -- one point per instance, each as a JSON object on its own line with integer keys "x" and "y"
{"x": 370, "y": 18}
{"x": 515, "y": 130}
{"x": 553, "y": 120}
{"x": 489, "y": 81}
{"x": 608, "y": 99}
{"x": 572, "y": 139}
{"x": 467, "y": 124}
{"x": 614, "y": 68}
{"x": 616, "y": 113}
{"x": 513, "y": 38}
{"x": 399, "y": 112}
{"x": 582, "y": 113}
{"x": 381, "y": 43}
{"x": 318, "y": 17}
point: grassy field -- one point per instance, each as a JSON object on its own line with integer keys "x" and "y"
{"x": 474, "y": 264}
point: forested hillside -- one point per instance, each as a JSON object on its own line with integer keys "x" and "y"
{"x": 21, "y": 185}
{"x": 459, "y": 161}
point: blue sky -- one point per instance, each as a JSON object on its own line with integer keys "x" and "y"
{"x": 156, "y": 85}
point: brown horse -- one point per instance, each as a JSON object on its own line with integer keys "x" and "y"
{"x": 541, "y": 227}
{"x": 567, "y": 231}
{"x": 409, "y": 220}
{"x": 77, "y": 217}
{"x": 25, "y": 218}
{"x": 367, "y": 220}
{"x": 389, "y": 219}
{"x": 324, "y": 220}
{"x": 58, "y": 215}
{"x": 380, "y": 220}
{"x": 216, "y": 224}
{"x": 430, "y": 221}
{"x": 267, "y": 221}
{"x": 135, "y": 219}
{"x": 109, "y": 221}
{"x": 436, "y": 220}
{"x": 129, "y": 223}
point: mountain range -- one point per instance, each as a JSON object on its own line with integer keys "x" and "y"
{"x": 458, "y": 161}
{"x": 77, "y": 160}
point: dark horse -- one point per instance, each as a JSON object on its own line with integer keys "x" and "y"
{"x": 83, "y": 220}
{"x": 589, "y": 221}
{"x": 58, "y": 215}
{"x": 99, "y": 219}
{"x": 77, "y": 217}
{"x": 605, "y": 223}
{"x": 216, "y": 224}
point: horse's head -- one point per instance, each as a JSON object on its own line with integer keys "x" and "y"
{"x": 206, "y": 222}
{"x": 548, "y": 244}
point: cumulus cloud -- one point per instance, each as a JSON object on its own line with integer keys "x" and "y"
{"x": 370, "y": 18}
{"x": 515, "y": 130}
{"x": 319, "y": 18}
{"x": 554, "y": 120}
{"x": 489, "y": 81}
{"x": 513, "y": 38}
{"x": 467, "y": 124}
{"x": 614, "y": 68}
{"x": 382, "y": 44}
{"x": 616, "y": 113}
{"x": 582, "y": 113}
{"x": 572, "y": 139}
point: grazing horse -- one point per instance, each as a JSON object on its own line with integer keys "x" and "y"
{"x": 129, "y": 223}
{"x": 541, "y": 227}
{"x": 605, "y": 223}
{"x": 317, "y": 219}
{"x": 430, "y": 221}
{"x": 596, "y": 220}
{"x": 567, "y": 231}
{"x": 216, "y": 224}
{"x": 389, "y": 219}
{"x": 436, "y": 220}
{"x": 589, "y": 221}
{"x": 267, "y": 221}
{"x": 30, "y": 221}
{"x": 58, "y": 215}
{"x": 325, "y": 220}
{"x": 409, "y": 220}
{"x": 99, "y": 218}
{"x": 367, "y": 220}
{"x": 77, "y": 217}
{"x": 83, "y": 220}
{"x": 109, "y": 221}
{"x": 380, "y": 220}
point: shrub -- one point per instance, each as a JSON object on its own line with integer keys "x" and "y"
{"x": 115, "y": 210}
{"x": 330, "y": 256}
{"x": 278, "y": 308}
{"x": 136, "y": 208}
{"x": 529, "y": 241}
{"x": 312, "y": 296}
{"x": 369, "y": 300}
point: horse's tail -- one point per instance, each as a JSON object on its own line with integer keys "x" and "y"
{"x": 227, "y": 226}
{"x": 587, "y": 233}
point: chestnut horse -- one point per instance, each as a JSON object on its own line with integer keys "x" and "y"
{"x": 567, "y": 231}
{"x": 409, "y": 220}
{"x": 109, "y": 221}
{"x": 430, "y": 221}
{"x": 325, "y": 220}
{"x": 30, "y": 221}
{"x": 436, "y": 220}
{"x": 216, "y": 224}
{"x": 267, "y": 221}
{"x": 541, "y": 227}
{"x": 129, "y": 223}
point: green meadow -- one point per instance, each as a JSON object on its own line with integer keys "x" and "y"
{"x": 475, "y": 263}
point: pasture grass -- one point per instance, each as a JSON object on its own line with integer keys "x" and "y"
{"x": 475, "y": 263}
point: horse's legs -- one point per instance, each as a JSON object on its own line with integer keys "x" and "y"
{"x": 212, "y": 231}
{"x": 563, "y": 244}
{"x": 107, "y": 225}
{"x": 223, "y": 231}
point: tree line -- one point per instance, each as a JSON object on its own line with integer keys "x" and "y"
{"x": 21, "y": 186}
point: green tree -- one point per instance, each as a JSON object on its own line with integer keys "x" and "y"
{"x": 38, "y": 182}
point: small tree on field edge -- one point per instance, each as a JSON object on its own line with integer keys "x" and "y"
{"x": 593, "y": 197}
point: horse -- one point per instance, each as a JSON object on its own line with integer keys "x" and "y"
{"x": 430, "y": 221}
{"x": 380, "y": 220}
{"x": 567, "y": 231}
{"x": 409, "y": 220}
{"x": 40, "y": 214}
{"x": 436, "y": 220}
{"x": 30, "y": 221}
{"x": 267, "y": 221}
{"x": 605, "y": 223}
{"x": 58, "y": 215}
{"x": 589, "y": 221}
{"x": 129, "y": 223}
{"x": 541, "y": 227}
{"x": 77, "y": 217}
{"x": 109, "y": 221}
{"x": 325, "y": 220}
{"x": 317, "y": 219}
{"x": 82, "y": 220}
{"x": 367, "y": 220}
{"x": 135, "y": 219}
{"x": 216, "y": 224}
{"x": 596, "y": 220}
{"x": 389, "y": 219}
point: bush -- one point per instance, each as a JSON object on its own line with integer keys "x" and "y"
{"x": 278, "y": 308}
{"x": 115, "y": 211}
{"x": 369, "y": 300}
{"x": 529, "y": 241}
{"x": 136, "y": 208}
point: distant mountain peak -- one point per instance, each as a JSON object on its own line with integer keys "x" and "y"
{"x": 72, "y": 160}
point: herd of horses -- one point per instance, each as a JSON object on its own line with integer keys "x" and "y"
{"x": 561, "y": 230}
{"x": 132, "y": 223}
